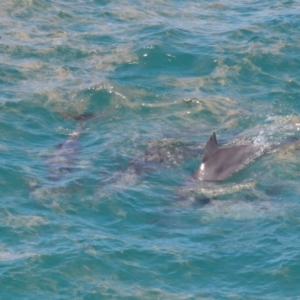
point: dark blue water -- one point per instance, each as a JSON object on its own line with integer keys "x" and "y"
{"x": 90, "y": 209}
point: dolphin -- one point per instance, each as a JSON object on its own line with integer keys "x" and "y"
{"x": 219, "y": 163}
{"x": 63, "y": 159}
{"x": 158, "y": 155}
{"x": 162, "y": 154}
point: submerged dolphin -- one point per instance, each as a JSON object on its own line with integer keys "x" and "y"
{"x": 220, "y": 163}
{"x": 162, "y": 154}
{"x": 158, "y": 155}
{"x": 63, "y": 159}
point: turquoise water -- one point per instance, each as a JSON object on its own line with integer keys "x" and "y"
{"x": 107, "y": 222}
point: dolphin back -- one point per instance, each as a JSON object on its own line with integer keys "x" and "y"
{"x": 220, "y": 163}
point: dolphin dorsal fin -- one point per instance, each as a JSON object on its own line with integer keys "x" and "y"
{"x": 211, "y": 147}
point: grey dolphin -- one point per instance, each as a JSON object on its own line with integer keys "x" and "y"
{"x": 164, "y": 153}
{"x": 218, "y": 163}
{"x": 63, "y": 159}
{"x": 158, "y": 155}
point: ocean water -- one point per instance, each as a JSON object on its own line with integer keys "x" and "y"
{"x": 90, "y": 208}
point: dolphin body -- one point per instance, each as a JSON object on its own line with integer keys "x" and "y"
{"x": 63, "y": 159}
{"x": 219, "y": 163}
{"x": 159, "y": 154}
{"x": 162, "y": 154}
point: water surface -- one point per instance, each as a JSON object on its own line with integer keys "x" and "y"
{"x": 112, "y": 225}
